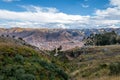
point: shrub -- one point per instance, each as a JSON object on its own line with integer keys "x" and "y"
{"x": 114, "y": 68}
{"x": 19, "y": 58}
{"x": 20, "y": 38}
{"x": 27, "y": 77}
{"x": 102, "y": 66}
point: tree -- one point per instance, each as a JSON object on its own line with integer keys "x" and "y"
{"x": 118, "y": 39}
{"x": 59, "y": 48}
{"x": 7, "y": 35}
{"x": 20, "y": 38}
{"x": 2, "y": 35}
{"x": 106, "y": 38}
{"x": 13, "y": 36}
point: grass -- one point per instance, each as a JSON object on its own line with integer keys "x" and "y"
{"x": 101, "y": 78}
{"x": 93, "y": 62}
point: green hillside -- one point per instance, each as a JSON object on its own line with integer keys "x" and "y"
{"x": 19, "y": 61}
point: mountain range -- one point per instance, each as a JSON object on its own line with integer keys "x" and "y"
{"x": 49, "y": 39}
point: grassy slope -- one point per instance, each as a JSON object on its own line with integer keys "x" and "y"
{"x": 95, "y": 62}
{"x": 21, "y": 62}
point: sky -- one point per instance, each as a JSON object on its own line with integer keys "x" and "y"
{"x": 70, "y": 14}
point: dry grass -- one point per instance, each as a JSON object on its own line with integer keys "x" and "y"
{"x": 94, "y": 63}
{"x": 102, "y": 78}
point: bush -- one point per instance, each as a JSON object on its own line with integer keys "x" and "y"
{"x": 20, "y": 38}
{"x": 19, "y": 72}
{"x": 1, "y": 77}
{"x": 114, "y": 68}
{"x": 27, "y": 77}
{"x": 19, "y": 58}
{"x": 102, "y": 66}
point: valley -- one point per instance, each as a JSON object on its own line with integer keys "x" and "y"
{"x": 59, "y": 39}
{"x": 79, "y": 61}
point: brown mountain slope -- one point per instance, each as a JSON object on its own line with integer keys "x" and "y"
{"x": 47, "y": 38}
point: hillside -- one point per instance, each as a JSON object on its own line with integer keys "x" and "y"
{"x": 47, "y": 39}
{"x": 92, "y": 62}
{"x": 20, "y": 61}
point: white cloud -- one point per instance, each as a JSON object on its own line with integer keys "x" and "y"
{"x": 32, "y": 8}
{"x": 111, "y": 12}
{"x": 84, "y": 5}
{"x": 109, "y": 17}
{"x": 40, "y": 15}
{"x": 45, "y": 17}
{"x": 115, "y": 3}
{"x": 10, "y": 0}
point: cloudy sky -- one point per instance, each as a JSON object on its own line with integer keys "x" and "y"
{"x": 75, "y": 14}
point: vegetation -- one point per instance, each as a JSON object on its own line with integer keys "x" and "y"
{"x": 92, "y": 62}
{"x": 107, "y": 38}
{"x": 21, "y": 62}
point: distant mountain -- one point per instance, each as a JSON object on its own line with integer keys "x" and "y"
{"x": 51, "y": 38}
{"x": 46, "y": 38}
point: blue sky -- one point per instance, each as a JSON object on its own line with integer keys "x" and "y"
{"x": 80, "y": 7}
{"x": 60, "y": 13}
